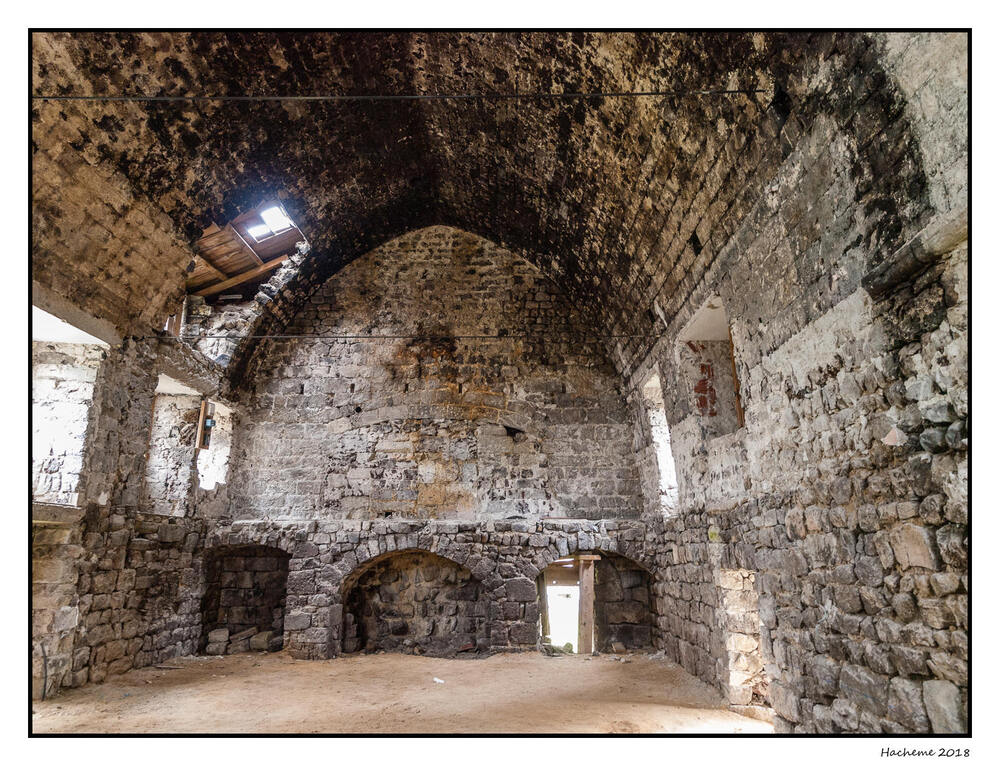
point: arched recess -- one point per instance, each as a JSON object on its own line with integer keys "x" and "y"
{"x": 245, "y": 592}
{"x": 415, "y": 602}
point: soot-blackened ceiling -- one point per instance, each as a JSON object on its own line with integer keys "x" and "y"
{"x": 621, "y": 200}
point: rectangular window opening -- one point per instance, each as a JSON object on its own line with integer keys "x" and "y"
{"x": 652, "y": 394}
{"x": 214, "y": 439}
{"x": 65, "y": 362}
{"x": 171, "y": 455}
{"x": 707, "y": 360}
{"x": 562, "y": 605}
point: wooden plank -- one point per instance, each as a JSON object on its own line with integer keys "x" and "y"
{"x": 212, "y": 239}
{"x": 200, "y": 264}
{"x": 561, "y": 575}
{"x": 585, "y": 644}
{"x": 222, "y": 250}
{"x": 201, "y": 425}
{"x": 246, "y": 245}
{"x": 543, "y": 604}
{"x": 239, "y": 279}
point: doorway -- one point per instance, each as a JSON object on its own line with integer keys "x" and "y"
{"x": 568, "y": 605}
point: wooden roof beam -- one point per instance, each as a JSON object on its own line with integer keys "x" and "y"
{"x": 246, "y": 244}
{"x": 202, "y": 263}
{"x": 240, "y": 279}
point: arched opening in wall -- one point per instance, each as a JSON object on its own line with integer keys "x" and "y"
{"x": 707, "y": 361}
{"x": 656, "y": 414}
{"x": 243, "y": 607}
{"x": 415, "y": 602}
{"x": 599, "y": 602}
{"x": 64, "y": 367}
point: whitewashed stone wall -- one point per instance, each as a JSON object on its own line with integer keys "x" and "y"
{"x": 62, "y": 392}
{"x": 170, "y": 467}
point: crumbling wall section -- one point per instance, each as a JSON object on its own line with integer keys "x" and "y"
{"x": 55, "y": 609}
{"x": 135, "y": 576}
{"x": 858, "y": 544}
{"x": 847, "y": 484}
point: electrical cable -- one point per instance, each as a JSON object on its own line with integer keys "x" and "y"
{"x": 394, "y": 337}
{"x": 416, "y": 96}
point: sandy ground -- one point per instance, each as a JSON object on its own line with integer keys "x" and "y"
{"x": 388, "y": 693}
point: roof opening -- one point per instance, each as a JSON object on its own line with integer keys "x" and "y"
{"x": 236, "y": 258}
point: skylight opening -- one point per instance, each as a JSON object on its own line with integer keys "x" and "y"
{"x": 274, "y": 222}
{"x": 260, "y": 231}
{"x": 276, "y": 219}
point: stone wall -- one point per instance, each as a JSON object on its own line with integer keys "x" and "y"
{"x": 850, "y": 466}
{"x": 813, "y": 210}
{"x": 622, "y": 605}
{"x": 63, "y": 376}
{"x": 244, "y": 589}
{"x": 170, "y": 467}
{"x": 486, "y": 396}
{"x": 858, "y": 545}
{"x": 506, "y": 557}
{"x": 114, "y": 253}
{"x": 55, "y": 608}
{"x": 135, "y": 576}
{"x": 417, "y": 603}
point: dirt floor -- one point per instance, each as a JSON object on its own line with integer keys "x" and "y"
{"x": 385, "y": 693}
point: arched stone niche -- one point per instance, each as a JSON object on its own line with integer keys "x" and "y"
{"x": 414, "y": 602}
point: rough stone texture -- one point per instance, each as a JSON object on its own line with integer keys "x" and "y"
{"x": 845, "y": 539}
{"x": 484, "y": 395}
{"x": 625, "y": 201}
{"x": 63, "y": 376}
{"x": 505, "y": 557}
{"x": 416, "y": 603}
{"x": 170, "y": 467}
{"x": 55, "y": 606}
{"x": 843, "y": 499}
{"x": 622, "y": 605}
{"x": 135, "y": 575}
{"x": 932, "y": 71}
{"x": 244, "y": 589}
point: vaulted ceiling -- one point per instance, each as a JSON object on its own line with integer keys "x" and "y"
{"x": 623, "y": 200}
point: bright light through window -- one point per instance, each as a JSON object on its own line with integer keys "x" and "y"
{"x": 259, "y": 231}
{"x": 276, "y": 219}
